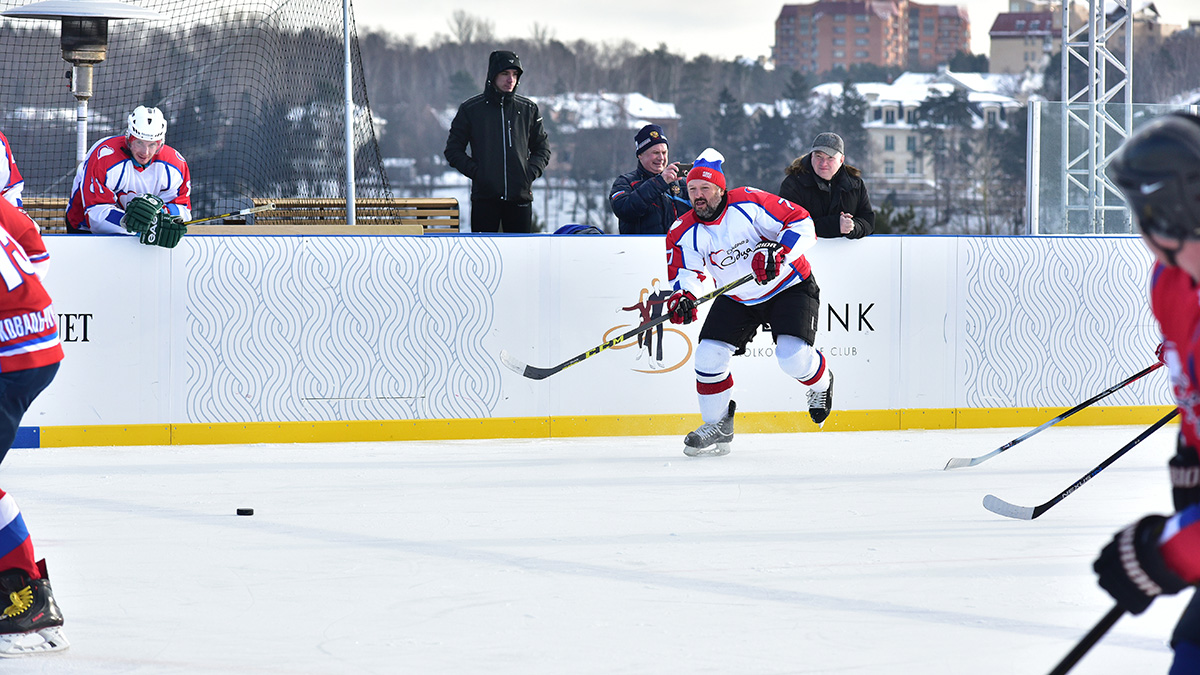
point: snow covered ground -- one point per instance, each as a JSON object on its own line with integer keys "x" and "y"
{"x": 797, "y": 553}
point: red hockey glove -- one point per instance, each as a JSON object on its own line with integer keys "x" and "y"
{"x": 1158, "y": 352}
{"x": 1131, "y": 568}
{"x": 682, "y": 307}
{"x": 767, "y": 261}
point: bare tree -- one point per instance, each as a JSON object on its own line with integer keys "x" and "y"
{"x": 540, "y": 34}
{"x": 466, "y": 28}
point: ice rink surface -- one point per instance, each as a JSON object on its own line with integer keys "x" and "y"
{"x": 847, "y": 552}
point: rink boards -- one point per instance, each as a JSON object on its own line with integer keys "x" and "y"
{"x": 231, "y": 339}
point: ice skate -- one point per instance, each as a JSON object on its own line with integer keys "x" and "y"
{"x": 30, "y": 622}
{"x": 712, "y": 438}
{"x": 820, "y": 403}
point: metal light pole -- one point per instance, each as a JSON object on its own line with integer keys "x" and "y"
{"x": 84, "y": 44}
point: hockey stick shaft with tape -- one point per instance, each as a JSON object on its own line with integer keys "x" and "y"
{"x": 1003, "y": 508}
{"x": 1088, "y": 641}
{"x": 958, "y": 462}
{"x": 536, "y": 373}
{"x": 243, "y": 212}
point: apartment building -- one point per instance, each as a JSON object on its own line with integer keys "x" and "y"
{"x": 1023, "y": 41}
{"x": 820, "y": 36}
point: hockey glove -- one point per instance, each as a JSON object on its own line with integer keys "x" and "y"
{"x": 767, "y": 261}
{"x": 1158, "y": 353}
{"x": 166, "y": 232}
{"x": 682, "y": 307}
{"x": 1131, "y": 568}
{"x": 141, "y": 213}
{"x": 1185, "y": 476}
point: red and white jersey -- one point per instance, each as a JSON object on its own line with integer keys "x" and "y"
{"x": 28, "y": 324}
{"x": 11, "y": 182}
{"x": 1175, "y": 301}
{"x": 110, "y": 177}
{"x": 725, "y": 246}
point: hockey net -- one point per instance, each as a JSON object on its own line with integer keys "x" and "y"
{"x": 252, "y": 90}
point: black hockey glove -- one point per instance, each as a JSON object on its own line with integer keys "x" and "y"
{"x": 141, "y": 213}
{"x": 1185, "y": 476}
{"x": 767, "y": 261}
{"x": 682, "y": 307}
{"x": 1132, "y": 569}
{"x": 166, "y": 232}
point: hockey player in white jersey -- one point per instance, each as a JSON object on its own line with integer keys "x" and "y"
{"x": 133, "y": 184}
{"x": 729, "y": 234}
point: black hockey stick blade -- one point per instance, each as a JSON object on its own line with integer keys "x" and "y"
{"x": 1088, "y": 641}
{"x": 536, "y": 373}
{"x": 959, "y": 462}
{"x": 1003, "y": 508}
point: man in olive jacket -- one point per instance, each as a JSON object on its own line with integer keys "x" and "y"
{"x": 508, "y": 149}
{"x": 830, "y": 190}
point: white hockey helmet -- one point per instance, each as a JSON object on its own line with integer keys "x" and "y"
{"x": 148, "y": 124}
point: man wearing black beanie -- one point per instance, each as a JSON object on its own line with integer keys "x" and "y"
{"x": 649, "y": 198}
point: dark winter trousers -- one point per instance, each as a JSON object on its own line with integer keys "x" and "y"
{"x": 17, "y": 391}
{"x": 488, "y": 215}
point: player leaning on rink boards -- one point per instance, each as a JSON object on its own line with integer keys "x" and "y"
{"x": 30, "y": 622}
{"x": 1158, "y": 170}
{"x": 133, "y": 184}
{"x": 729, "y": 234}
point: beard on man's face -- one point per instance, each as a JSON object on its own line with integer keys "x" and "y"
{"x": 706, "y": 210}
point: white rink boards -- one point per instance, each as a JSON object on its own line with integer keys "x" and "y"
{"x": 262, "y": 329}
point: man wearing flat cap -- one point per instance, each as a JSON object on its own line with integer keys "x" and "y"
{"x": 832, "y": 191}
{"x": 652, "y": 196}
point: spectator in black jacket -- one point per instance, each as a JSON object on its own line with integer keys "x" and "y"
{"x": 831, "y": 191}
{"x": 649, "y": 198}
{"x": 508, "y": 149}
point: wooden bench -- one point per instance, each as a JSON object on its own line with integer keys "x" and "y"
{"x": 404, "y": 215}
{"x": 434, "y": 215}
{"x": 48, "y": 213}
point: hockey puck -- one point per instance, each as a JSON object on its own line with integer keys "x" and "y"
{"x": 245, "y": 512}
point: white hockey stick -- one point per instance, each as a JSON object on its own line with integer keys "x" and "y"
{"x": 243, "y": 212}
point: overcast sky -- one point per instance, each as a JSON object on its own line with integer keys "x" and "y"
{"x": 725, "y": 29}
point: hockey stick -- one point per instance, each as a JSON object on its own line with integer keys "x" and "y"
{"x": 243, "y": 212}
{"x": 958, "y": 462}
{"x": 1003, "y": 508}
{"x": 1088, "y": 641}
{"x": 535, "y": 373}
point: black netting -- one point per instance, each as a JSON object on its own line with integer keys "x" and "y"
{"x": 252, "y": 90}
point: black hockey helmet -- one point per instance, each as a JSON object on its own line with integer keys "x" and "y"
{"x": 1158, "y": 171}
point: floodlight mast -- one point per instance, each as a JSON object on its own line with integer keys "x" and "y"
{"x": 84, "y": 43}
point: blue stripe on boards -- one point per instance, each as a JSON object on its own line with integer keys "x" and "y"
{"x": 28, "y": 437}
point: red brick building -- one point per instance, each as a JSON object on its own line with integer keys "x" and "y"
{"x": 935, "y": 34}
{"x": 826, "y": 34}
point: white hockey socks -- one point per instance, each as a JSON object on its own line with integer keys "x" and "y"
{"x": 714, "y": 382}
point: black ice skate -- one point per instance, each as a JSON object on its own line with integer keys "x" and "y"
{"x": 711, "y": 439}
{"x": 30, "y": 622}
{"x": 820, "y": 403}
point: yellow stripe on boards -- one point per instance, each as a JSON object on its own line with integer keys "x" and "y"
{"x": 578, "y": 426}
